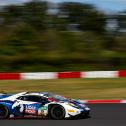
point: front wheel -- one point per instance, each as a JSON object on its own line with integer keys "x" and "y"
{"x": 57, "y": 112}
{"x": 4, "y": 113}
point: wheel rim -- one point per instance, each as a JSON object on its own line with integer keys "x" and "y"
{"x": 58, "y": 112}
{"x": 2, "y": 112}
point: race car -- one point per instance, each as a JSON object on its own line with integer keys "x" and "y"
{"x": 42, "y": 105}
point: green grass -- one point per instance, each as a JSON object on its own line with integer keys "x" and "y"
{"x": 72, "y": 88}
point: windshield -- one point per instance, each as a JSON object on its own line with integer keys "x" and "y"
{"x": 60, "y": 98}
{"x": 56, "y": 97}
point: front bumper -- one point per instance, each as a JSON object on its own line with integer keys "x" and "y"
{"x": 83, "y": 114}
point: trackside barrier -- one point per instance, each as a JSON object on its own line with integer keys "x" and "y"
{"x": 100, "y": 74}
{"x": 38, "y": 76}
{"x": 10, "y": 76}
{"x": 123, "y": 101}
{"x": 122, "y": 73}
{"x": 102, "y": 101}
{"x": 62, "y": 75}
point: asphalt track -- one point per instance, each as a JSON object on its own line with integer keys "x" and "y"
{"x": 102, "y": 115}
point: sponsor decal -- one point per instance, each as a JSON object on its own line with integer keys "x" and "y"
{"x": 43, "y": 111}
{"x": 44, "y": 108}
{"x": 30, "y": 109}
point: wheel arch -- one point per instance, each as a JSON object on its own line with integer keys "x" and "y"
{"x": 56, "y": 104}
{"x": 7, "y": 105}
{"x": 3, "y": 105}
{"x": 7, "y": 112}
{"x": 51, "y": 105}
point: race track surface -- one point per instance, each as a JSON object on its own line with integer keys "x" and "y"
{"x": 102, "y": 115}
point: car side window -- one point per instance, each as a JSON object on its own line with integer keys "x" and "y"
{"x": 21, "y": 98}
{"x": 33, "y": 98}
{"x": 43, "y": 99}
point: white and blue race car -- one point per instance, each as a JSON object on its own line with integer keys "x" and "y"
{"x": 42, "y": 105}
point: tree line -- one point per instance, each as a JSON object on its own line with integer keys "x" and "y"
{"x": 41, "y": 36}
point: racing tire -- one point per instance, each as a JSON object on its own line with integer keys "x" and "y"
{"x": 57, "y": 112}
{"x": 4, "y": 112}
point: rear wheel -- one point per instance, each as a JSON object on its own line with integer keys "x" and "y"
{"x": 4, "y": 113}
{"x": 57, "y": 112}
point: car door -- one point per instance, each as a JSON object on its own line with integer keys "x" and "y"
{"x": 28, "y": 105}
{"x": 32, "y": 104}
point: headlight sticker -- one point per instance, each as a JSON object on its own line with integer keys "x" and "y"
{"x": 71, "y": 110}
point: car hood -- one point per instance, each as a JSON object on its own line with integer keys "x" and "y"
{"x": 75, "y": 103}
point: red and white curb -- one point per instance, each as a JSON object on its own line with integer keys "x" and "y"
{"x": 102, "y": 101}
{"x": 62, "y": 75}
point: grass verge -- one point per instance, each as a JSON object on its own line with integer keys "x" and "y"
{"x": 72, "y": 88}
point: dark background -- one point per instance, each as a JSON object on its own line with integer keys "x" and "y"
{"x": 69, "y": 36}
